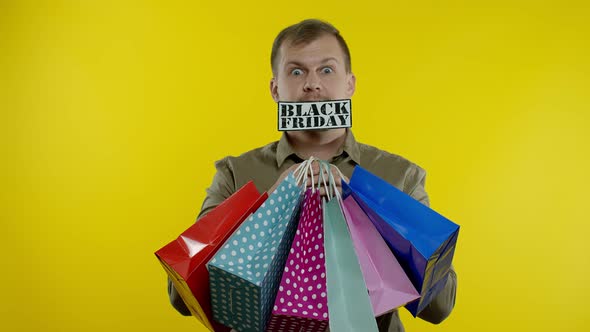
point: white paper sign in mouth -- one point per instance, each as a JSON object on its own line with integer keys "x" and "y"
{"x": 315, "y": 115}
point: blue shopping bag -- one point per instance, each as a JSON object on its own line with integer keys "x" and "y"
{"x": 245, "y": 273}
{"x": 422, "y": 240}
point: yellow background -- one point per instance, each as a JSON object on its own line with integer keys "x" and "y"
{"x": 113, "y": 112}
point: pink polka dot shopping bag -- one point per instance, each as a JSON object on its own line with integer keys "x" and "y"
{"x": 301, "y": 303}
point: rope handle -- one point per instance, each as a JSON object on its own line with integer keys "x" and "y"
{"x": 332, "y": 187}
{"x": 325, "y": 177}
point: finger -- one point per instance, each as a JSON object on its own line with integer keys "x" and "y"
{"x": 333, "y": 175}
{"x": 339, "y": 188}
{"x": 315, "y": 168}
{"x": 337, "y": 176}
{"x": 293, "y": 169}
{"x": 341, "y": 179}
{"x": 335, "y": 170}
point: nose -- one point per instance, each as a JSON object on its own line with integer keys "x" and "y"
{"x": 312, "y": 83}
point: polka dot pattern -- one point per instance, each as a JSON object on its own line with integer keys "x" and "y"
{"x": 301, "y": 298}
{"x": 245, "y": 273}
{"x": 295, "y": 324}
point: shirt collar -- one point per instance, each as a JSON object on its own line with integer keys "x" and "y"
{"x": 350, "y": 146}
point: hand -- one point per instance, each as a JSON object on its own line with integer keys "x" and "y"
{"x": 282, "y": 177}
{"x": 315, "y": 169}
{"x": 318, "y": 182}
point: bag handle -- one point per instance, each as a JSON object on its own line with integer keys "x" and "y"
{"x": 301, "y": 173}
{"x": 304, "y": 169}
{"x": 325, "y": 177}
{"x": 331, "y": 187}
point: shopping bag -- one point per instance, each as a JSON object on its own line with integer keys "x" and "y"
{"x": 301, "y": 304}
{"x": 185, "y": 258}
{"x": 389, "y": 286}
{"x": 422, "y": 240}
{"x": 245, "y": 273}
{"x": 349, "y": 306}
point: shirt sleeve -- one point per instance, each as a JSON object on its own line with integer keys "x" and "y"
{"x": 414, "y": 184}
{"x": 442, "y": 304}
{"x": 222, "y": 187}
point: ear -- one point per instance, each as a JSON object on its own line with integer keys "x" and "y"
{"x": 350, "y": 84}
{"x": 274, "y": 89}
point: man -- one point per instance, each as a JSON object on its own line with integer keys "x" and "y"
{"x": 311, "y": 62}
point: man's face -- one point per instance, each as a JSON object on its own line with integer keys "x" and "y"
{"x": 312, "y": 72}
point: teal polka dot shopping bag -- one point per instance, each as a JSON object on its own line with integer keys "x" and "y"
{"x": 244, "y": 274}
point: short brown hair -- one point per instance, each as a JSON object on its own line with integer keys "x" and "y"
{"x": 305, "y": 32}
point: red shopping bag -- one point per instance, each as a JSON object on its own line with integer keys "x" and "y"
{"x": 185, "y": 258}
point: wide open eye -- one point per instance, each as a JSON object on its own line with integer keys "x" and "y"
{"x": 327, "y": 70}
{"x": 296, "y": 72}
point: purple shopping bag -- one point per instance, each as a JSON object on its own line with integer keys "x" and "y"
{"x": 301, "y": 303}
{"x": 422, "y": 240}
{"x": 389, "y": 286}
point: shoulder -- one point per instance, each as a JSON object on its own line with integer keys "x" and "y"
{"x": 260, "y": 155}
{"x": 391, "y": 167}
{"x": 376, "y": 158}
{"x": 258, "y": 165}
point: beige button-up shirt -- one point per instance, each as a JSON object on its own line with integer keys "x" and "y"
{"x": 264, "y": 166}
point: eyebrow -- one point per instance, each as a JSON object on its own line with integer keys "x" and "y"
{"x": 299, "y": 64}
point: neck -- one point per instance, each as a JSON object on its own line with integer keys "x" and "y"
{"x": 321, "y": 144}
